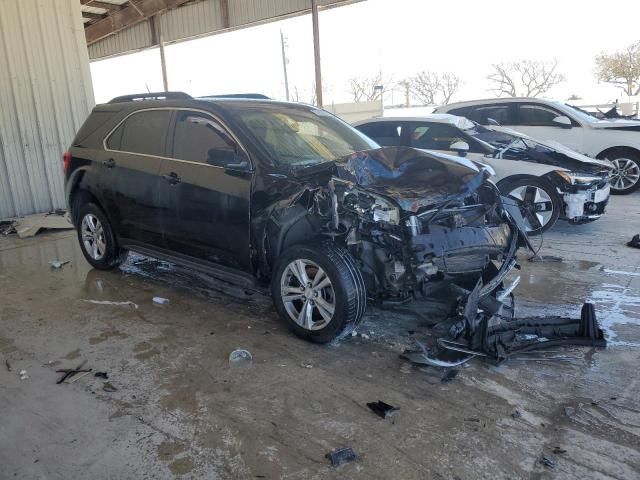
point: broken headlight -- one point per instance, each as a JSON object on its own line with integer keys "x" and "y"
{"x": 373, "y": 207}
{"x": 577, "y": 178}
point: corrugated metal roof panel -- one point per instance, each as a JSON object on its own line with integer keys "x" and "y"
{"x": 202, "y": 18}
{"x": 128, "y": 40}
{"x": 45, "y": 95}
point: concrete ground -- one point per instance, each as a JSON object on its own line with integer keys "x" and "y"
{"x": 181, "y": 411}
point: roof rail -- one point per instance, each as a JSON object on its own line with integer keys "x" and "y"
{"x": 255, "y": 96}
{"x": 136, "y": 97}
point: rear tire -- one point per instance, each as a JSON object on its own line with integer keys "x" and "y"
{"x": 538, "y": 200}
{"x": 626, "y": 176}
{"x": 319, "y": 291}
{"x": 97, "y": 240}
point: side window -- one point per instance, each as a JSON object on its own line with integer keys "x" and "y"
{"x": 500, "y": 113}
{"x": 386, "y": 134}
{"x": 439, "y": 136}
{"x": 199, "y": 138}
{"x": 537, "y": 115}
{"x": 143, "y": 132}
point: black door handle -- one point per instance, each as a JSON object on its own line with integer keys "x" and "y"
{"x": 109, "y": 163}
{"x": 172, "y": 178}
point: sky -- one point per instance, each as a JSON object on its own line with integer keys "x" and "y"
{"x": 398, "y": 38}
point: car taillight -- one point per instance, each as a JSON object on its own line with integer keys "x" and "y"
{"x": 66, "y": 161}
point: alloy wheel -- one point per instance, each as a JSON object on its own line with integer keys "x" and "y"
{"x": 625, "y": 175}
{"x": 307, "y": 294}
{"x": 535, "y": 204}
{"x": 93, "y": 238}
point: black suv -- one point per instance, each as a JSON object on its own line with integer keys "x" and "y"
{"x": 261, "y": 192}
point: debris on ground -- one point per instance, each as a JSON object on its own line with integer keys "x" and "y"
{"x": 559, "y": 451}
{"x": 108, "y": 387}
{"x": 306, "y": 365}
{"x": 23, "y": 375}
{"x": 30, "y": 225}
{"x": 104, "y": 375}
{"x": 516, "y": 414}
{"x": 472, "y": 419}
{"x": 8, "y": 365}
{"x": 569, "y": 411}
{"x": 70, "y": 372}
{"x": 449, "y": 375}
{"x": 341, "y": 455}
{"x": 160, "y": 301}
{"x": 634, "y": 242}
{"x": 7, "y": 227}
{"x": 240, "y": 358}
{"x": 544, "y": 259}
{"x": 548, "y": 461}
{"x": 107, "y": 302}
{"x": 382, "y": 409}
{"x": 58, "y": 263}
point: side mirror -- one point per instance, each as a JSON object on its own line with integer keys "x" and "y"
{"x": 562, "y": 121}
{"x": 461, "y": 147}
{"x": 492, "y": 121}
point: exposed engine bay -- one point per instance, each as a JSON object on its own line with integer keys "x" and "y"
{"x": 417, "y": 224}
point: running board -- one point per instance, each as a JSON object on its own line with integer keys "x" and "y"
{"x": 227, "y": 274}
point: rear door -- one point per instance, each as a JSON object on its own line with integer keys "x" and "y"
{"x": 536, "y": 121}
{"x": 135, "y": 151}
{"x": 207, "y": 181}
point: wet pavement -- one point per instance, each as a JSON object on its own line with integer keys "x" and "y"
{"x": 180, "y": 410}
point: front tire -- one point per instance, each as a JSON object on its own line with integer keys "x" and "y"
{"x": 626, "y": 176}
{"x": 97, "y": 240}
{"x": 319, "y": 291}
{"x": 538, "y": 200}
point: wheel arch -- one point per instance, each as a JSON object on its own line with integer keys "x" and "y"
{"x": 603, "y": 154}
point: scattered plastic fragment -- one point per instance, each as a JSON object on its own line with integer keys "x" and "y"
{"x": 23, "y": 375}
{"x": 450, "y": 375}
{"x": 516, "y": 414}
{"x": 306, "y": 365}
{"x": 548, "y": 461}
{"x": 569, "y": 411}
{"x": 107, "y": 387}
{"x": 58, "y": 263}
{"x": 104, "y": 375}
{"x": 160, "y": 301}
{"x": 341, "y": 455}
{"x": 240, "y": 358}
{"x": 558, "y": 450}
{"x": 382, "y": 409}
{"x": 6, "y": 362}
{"x": 472, "y": 419}
{"x": 107, "y": 302}
{"x": 70, "y": 372}
{"x": 364, "y": 336}
{"x": 634, "y": 242}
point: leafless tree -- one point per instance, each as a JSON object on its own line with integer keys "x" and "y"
{"x": 370, "y": 88}
{"x": 526, "y": 78}
{"x": 621, "y": 69}
{"x": 432, "y": 88}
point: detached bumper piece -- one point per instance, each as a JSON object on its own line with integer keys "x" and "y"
{"x": 487, "y": 330}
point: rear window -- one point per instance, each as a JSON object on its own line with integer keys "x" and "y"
{"x": 384, "y": 133}
{"x": 143, "y": 132}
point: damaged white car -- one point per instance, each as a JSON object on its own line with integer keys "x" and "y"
{"x": 547, "y": 180}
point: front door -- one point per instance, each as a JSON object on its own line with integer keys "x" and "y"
{"x": 207, "y": 181}
{"x": 134, "y": 156}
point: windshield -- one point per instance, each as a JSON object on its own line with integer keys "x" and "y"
{"x": 582, "y": 114}
{"x": 298, "y": 138}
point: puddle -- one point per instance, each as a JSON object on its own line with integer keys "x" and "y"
{"x": 563, "y": 287}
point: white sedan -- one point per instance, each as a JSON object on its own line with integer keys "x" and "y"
{"x": 548, "y": 181}
{"x": 616, "y": 140}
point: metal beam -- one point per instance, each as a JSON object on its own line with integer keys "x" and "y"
{"x": 316, "y": 51}
{"x": 103, "y": 5}
{"x": 157, "y": 33}
{"x": 93, "y": 16}
{"x": 127, "y": 17}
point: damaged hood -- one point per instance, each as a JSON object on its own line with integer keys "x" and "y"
{"x": 411, "y": 177}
